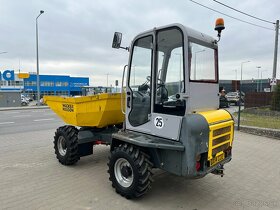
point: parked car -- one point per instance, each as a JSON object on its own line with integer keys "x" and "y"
{"x": 233, "y": 97}
{"x": 224, "y": 103}
{"x": 26, "y": 97}
{"x": 24, "y": 102}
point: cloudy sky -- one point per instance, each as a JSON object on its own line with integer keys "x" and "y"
{"x": 75, "y": 37}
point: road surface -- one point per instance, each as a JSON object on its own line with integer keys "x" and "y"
{"x": 26, "y": 120}
{"x": 32, "y": 178}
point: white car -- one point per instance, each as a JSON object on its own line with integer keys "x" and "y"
{"x": 26, "y": 97}
{"x": 233, "y": 97}
{"x": 24, "y": 101}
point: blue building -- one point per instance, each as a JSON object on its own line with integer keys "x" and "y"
{"x": 55, "y": 85}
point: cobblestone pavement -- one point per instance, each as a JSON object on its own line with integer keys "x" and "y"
{"x": 32, "y": 178}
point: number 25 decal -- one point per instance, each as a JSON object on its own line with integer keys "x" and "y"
{"x": 159, "y": 122}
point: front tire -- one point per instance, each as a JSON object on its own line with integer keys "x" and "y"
{"x": 66, "y": 145}
{"x": 130, "y": 171}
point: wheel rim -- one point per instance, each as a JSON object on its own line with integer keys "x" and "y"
{"x": 61, "y": 145}
{"x": 123, "y": 172}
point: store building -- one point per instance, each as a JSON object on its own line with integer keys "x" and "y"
{"x": 49, "y": 84}
{"x": 9, "y": 81}
{"x": 55, "y": 85}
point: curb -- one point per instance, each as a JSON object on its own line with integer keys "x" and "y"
{"x": 267, "y": 132}
{"x": 23, "y": 108}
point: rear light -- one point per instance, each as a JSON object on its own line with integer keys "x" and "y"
{"x": 197, "y": 166}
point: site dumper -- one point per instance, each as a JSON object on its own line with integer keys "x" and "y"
{"x": 98, "y": 111}
{"x": 167, "y": 118}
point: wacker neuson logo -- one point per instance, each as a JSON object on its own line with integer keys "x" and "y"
{"x": 68, "y": 107}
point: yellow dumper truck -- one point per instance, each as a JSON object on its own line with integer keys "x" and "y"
{"x": 166, "y": 117}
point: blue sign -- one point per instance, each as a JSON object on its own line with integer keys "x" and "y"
{"x": 8, "y": 75}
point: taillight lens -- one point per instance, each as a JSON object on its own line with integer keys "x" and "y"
{"x": 197, "y": 166}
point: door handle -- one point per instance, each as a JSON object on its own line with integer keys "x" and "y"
{"x": 128, "y": 102}
{"x": 128, "y": 99}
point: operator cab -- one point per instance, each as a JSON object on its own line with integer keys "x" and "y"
{"x": 172, "y": 72}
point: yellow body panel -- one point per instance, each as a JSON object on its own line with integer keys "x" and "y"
{"x": 94, "y": 111}
{"x": 216, "y": 116}
{"x": 221, "y": 127}
{"x": 227, "y": 141}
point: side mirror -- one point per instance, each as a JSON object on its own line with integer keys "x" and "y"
{"x": 117, "y": 40}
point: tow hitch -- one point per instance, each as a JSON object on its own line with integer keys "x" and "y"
{"x": 219, "y": 171}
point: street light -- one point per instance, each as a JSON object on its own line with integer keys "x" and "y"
{"x": 133, "y": 74}
{"x": 258, "y": 67}
{"x": 3, "y": 52}
{"x": 235, "y": 84}
{"x": 107, "y": 80}
{"x": 37, "y": 53}
{"x": 240, "y": 94}
{"x": 261, "y": 80}
{"x": 195, "y": 61}
{"x": 180, "y": 77}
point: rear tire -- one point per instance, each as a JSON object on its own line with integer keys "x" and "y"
{"x": 130, "y": 171}
{"x": 66, "y": 145}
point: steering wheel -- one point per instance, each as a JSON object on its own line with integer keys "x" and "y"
{"x": 161, "y": 82}
{"x": 161, "y": 89}
{"x": 162, "y": 92}
{"x": 144, "y": 87}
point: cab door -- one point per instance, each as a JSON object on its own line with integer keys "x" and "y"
{"x": 138, "y": 98}
{"x": 156, "y": 84}
{"x": 169, "y": 104}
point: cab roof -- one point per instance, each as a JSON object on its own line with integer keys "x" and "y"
{"x": 190, "y": 33}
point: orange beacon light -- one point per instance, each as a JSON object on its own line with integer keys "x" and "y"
{"x": 219, "y": 26}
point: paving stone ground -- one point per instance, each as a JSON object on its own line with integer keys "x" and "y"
{"x": 32, "y": 178}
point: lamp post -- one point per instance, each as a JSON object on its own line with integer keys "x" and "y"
{"x": 37, "y": 53}
{"x": 235, "y": 84}
{"x": 240, "y": 94}
{"x": 180, "y": 78}
{"x": 261, "y": 80}
{"x": 133, "y": 74}
{"x": 3, "y": 52}
{"x": 275, "y": 53}
{"x": 195, "y": 62}
{"x": 107, "y": 82}
{"x": 258, "y": 67}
